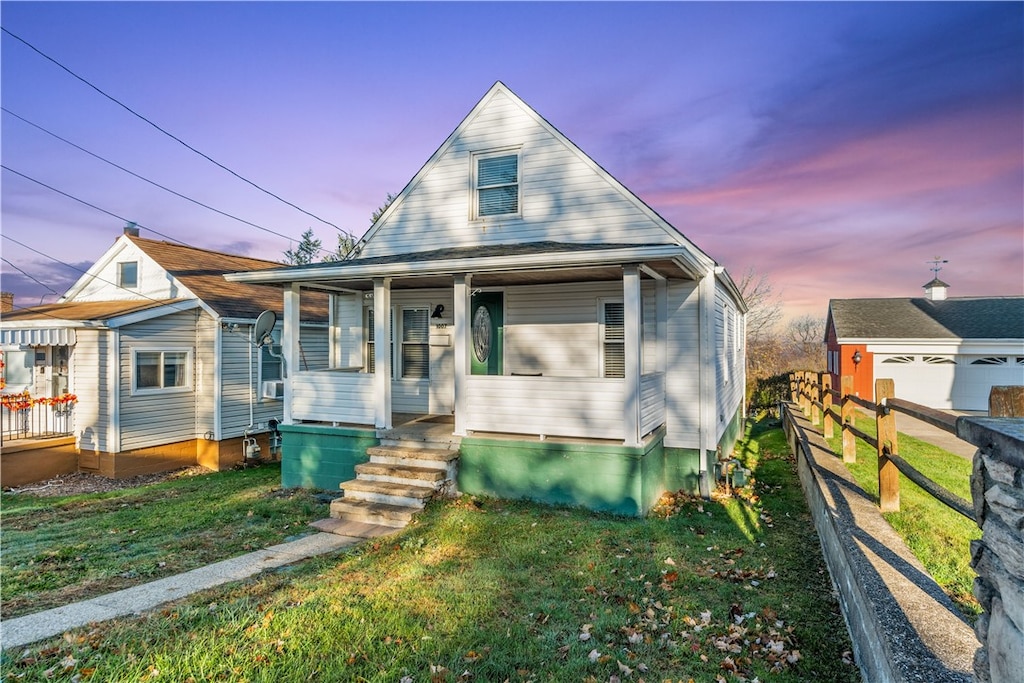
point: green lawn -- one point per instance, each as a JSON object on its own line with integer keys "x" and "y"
{"x": 487, "y": 590}
{"x": 55, "y": 550}
{"x": 939, "y": 537}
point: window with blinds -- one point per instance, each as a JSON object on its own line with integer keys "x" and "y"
{"x": 497, "y": 185}
{"x": 369, "y": 333}
{"x": 415, "y": 343}
{"x": 613, "y": 339}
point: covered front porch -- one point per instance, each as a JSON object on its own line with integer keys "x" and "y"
{"x": 544, "y": 348}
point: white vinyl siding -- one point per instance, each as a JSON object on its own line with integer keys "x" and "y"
{"x": 730, "y": 372}
{"x": 240, "y": 386}
{"x": 90, "y": 360}
{"x": 682, "y": 380}
{"x": 563, "y": 197}
{"x": 158, "y": 416}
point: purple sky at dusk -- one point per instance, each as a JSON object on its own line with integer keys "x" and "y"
{"x": 835, "y": 147}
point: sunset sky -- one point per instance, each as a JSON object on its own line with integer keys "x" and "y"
{"x": 834, "y": 147}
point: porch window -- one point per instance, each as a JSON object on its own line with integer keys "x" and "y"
{"x": 415, "y": 343}
{"x": 613, "y": 339}
{"x": 128, "y": 274}
{"x": 160, "y": 370}
{"x": 497, "y": 184}
{"x": 370, "y": 336}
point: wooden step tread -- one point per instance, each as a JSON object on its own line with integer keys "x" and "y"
{"x": 402, "y": 471}
{"x": 434, "y": 454}
{"x": 342, "y": 505}
{"x": 388, "y": 489}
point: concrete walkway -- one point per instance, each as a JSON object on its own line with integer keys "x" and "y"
{"x": 53, "y": 622}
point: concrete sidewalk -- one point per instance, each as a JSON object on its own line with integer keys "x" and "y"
{"x": 28, "y": 629}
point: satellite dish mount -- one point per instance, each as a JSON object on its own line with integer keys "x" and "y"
{"x": 263, "y": 328}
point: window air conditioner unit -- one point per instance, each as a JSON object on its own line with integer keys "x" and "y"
{"x": 273, "y": 389}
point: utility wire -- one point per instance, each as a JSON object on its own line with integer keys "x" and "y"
{"x": 169, "y": 134}
{"x": 92, "y": 206}
{"x": 42, "y": 284}
{"x": 84, "y": 272}
{"x": 151, "y": 182}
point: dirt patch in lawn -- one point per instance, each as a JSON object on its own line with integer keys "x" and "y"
{"x": 84, "y": 482}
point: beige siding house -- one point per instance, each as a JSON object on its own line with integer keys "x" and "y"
{"x": 540, "y": 318}
{"x": 158, "y": 349}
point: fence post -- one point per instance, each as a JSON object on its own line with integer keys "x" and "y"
{"x": 815, "y": 398}
{"x": 827, "y": 423}
{"x": 846, "y": 415}
{"x": 792, "y": 387}
{"x": 803, "y": 394}
{"x": 885, "y": 422}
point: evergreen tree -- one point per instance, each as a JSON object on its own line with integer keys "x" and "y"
{"x": 305, "y": 251}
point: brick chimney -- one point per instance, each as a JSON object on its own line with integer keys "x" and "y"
{"x": 6, "y": 302}
{"x": 131, "y": 229}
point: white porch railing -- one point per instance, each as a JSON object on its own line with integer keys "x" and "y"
{"x": 333, "y": 396}
{"x": 652, "y": 402}
{"x": 560, "y": 406}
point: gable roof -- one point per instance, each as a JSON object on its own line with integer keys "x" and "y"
{"x": 202, "y": 272}
{"x": 499, "y": 97}
{"x": 920, "y": 318}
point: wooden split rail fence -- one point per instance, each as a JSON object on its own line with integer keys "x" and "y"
{"x": 813, "y": 393}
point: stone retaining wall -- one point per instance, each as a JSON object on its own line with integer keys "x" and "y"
{"x": 997, "y": 487}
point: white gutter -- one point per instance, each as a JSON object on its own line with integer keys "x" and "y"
{"x": 353, "y": 270}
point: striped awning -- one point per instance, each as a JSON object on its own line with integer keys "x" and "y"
{"x": 54, "y": 336}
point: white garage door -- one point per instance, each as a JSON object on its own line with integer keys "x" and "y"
{"x": 976, "y": 375}
{"x": 928, "y": 380}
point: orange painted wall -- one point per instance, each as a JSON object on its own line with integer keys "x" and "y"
{"x": 862, "y": 373}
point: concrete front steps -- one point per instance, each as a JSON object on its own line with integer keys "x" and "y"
{"x": 396, "y": 483}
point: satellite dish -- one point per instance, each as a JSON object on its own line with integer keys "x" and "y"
{"x": 264, "y": 326}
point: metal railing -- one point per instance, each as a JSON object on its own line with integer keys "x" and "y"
{"x": 35, "y": 421}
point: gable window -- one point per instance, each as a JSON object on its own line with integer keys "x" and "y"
{"x": 497, "y": 184}
{"x": 161, "y": 370}
{"x": 613, "y": 339}
{"x": 128, "y": 274}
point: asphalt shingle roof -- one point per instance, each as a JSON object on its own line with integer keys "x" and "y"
{"x": 920, "y": 318}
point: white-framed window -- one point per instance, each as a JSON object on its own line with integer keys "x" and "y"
{"x": 161, "y": 370}
{"x": 613, "y": 338}
{"x": 496, "y": 180}
{"x": 370, "y": 335}
{"x": 414, "y": 360}
{"x": 128, "y": 274}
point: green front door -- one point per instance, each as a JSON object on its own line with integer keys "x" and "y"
{"x": 486, "y": 328}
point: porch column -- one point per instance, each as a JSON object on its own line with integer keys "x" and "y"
{"x": 461, "y": 340}
{"x": 290, "y": 344}
{"x": 631, "y": 305}
{"x": 708, "y": 398}
{"x": 661, "y": 306}
{"x": 382, "y": 352}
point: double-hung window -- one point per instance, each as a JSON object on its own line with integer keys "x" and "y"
{"x": 415, "y": 343}
{"x": 613, "y": 339}
{"x": 163, "y": 370}
{"x": 497, "y": 184}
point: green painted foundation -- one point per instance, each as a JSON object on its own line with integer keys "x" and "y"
{"x": 322, "y": 457}
{"x": 607, "y": 478}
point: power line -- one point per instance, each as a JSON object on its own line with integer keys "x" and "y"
{"x": 29, "y": 276}
{"x": 151, "y": 182}
{"x": 84, "y": 272}
{"x": 92, "y": 206}
{"x": 169, "y": 134}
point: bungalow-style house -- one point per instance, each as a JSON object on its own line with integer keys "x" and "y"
{"x": 518, "y": 308}
{"x": 156, "y": 346}
{"x": 942, "y": 352}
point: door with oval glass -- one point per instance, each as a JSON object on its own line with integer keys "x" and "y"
{"x": 487, "y": 324}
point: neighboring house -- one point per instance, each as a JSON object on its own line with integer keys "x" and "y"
{"x": 156, "y": 347}
{"x": 945, "y": 353}
{"x": 516, "y": 298}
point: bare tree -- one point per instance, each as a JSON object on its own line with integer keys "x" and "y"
{"x": 763, "y": 305}
{"x": 805, "y": 339}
